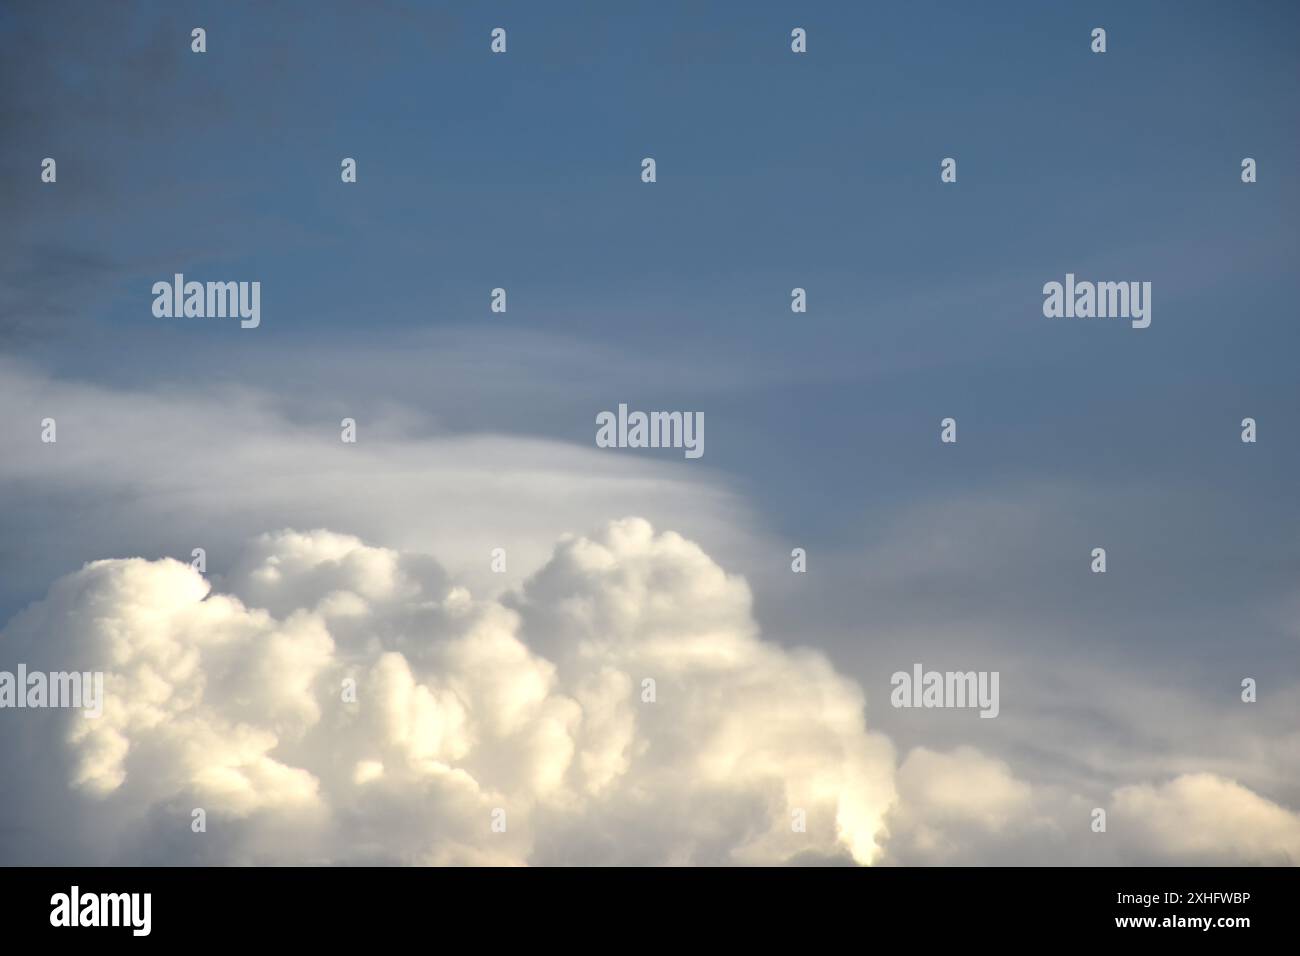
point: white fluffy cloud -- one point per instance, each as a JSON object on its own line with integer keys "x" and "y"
{"x": 230, "y": 698}
{"x": 967, "y": 808}
{"x": 1205, "y": 818}
{"x": 233, "y": 702}
{"x": 964, "y": 807}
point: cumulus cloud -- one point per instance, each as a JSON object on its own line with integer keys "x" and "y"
{"x": 336, "y": 702}
{"x": 538, "y": 706}
{"x": 965, "y": 807}
{"x": 1206, "y": 818}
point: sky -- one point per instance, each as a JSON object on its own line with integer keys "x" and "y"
{"x": 774, "y": 170}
